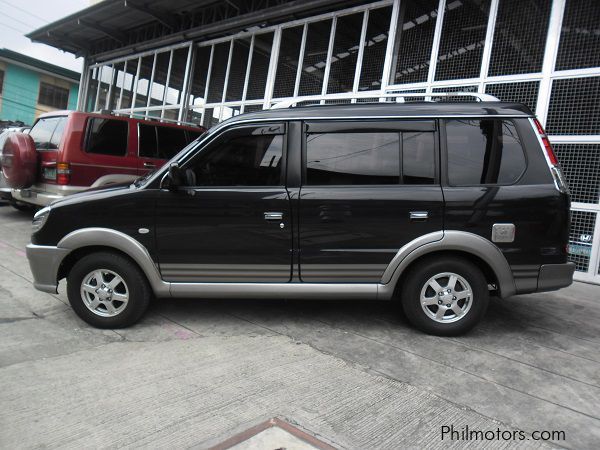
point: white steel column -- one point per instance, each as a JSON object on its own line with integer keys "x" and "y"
{"x": 110, "y": 87}
{"x": 135, "y": 85}
{"x": 552, "y": 41}
{"x": 489, "y": 41}
{"x": 389, "y": 51}
{"x": 186, "y": 84}
{"x": 167, "y": 81}
{"x": 83, "y": 85}
{"x": 329, "y": 55}
{"x": 120, "y": 102}
{"x": 435, "y": 47}
{"x": 151, "y": 83}
{"x": 99, "y": 78}
{"x": 300, "y": 60}
{"x": 210, "y": 62}
{"x": 226, "y": 82}
{"x": 272, "y": 68}
{"x": 247, "y": 77}
{"x": 361, "y": 52}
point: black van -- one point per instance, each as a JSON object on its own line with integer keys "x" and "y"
{"x": 434, "y": 204}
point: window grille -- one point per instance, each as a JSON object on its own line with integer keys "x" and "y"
{"x": 581, "y": 166}
{"x": 519, "y": 37}
{"x": 579, "y": 43}
{"x": 525, "y": 92}
{"x": 463, "y": 38}
{"x": 54, "y": 96}
{"x": 574, "y": 106}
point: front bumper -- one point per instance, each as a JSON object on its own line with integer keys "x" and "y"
{"x": 555, "y": 276}
{"x": 44, "y": 262}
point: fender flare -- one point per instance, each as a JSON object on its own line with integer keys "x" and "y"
{"x": 106, "y": 237}
{"x": 113, "y": 179}
{"x": 449, "y": 240}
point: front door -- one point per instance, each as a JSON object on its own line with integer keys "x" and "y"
{"x": 231, "y": 222}
{"x": 368, "y": 189}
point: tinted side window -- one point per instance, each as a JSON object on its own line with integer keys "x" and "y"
{"x": 250, "y": 160}
{"x": 418, "y": 157}
{"x": 148, "y": 145}
{"x": 352, "y": 158}
{"x": 107, "y": 136}
{"x": 485, "y": 151}
{"x": 369, "y": 158}
{"x": 170, "y": 141}
{"x": 42, "y": 131}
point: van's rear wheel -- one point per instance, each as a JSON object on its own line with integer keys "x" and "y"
{"x": 108, "y": 290}
{"x": 445, "y": 296}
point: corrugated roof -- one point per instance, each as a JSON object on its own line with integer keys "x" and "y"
{"x": 10, "y": 55}
{"x": 120, "y": 27}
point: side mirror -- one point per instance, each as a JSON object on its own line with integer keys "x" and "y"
{"x": 175, "y": 177}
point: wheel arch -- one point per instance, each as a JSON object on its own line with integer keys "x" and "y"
{"x": 475, "y": 248}
{"x": 87, "y": 240}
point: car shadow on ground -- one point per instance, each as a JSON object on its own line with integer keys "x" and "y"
{"x": 539, "y": 317}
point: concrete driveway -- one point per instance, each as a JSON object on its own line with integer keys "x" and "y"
{"x": 355, "y": 375}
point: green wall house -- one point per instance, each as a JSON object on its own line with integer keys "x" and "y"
{"x": 30, "y": 87}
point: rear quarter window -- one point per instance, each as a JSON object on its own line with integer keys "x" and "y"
{"x": 107, "y": 136}
{"x": 483, "y": 151}
{"x": 47, "y": 132}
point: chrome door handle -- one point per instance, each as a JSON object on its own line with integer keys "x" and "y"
{"x": 419, "y": 215}
{"x": 149, "y": 165}
{"x": 273, "y": 216}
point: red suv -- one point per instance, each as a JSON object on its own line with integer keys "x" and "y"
{"x": 67, "y": 152}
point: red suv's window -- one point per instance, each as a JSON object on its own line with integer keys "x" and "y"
{"x": 47, "y": 132}
{"x": 107, "y": 137}
{"x": 163, "y": 142}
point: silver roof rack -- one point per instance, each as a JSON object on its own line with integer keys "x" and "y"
{"x": 399, "y": 96}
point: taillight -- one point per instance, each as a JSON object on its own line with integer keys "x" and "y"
{"x": 547, "y": 146}
{"x": 63, "y": 173}
{"x": 551, "y": 159}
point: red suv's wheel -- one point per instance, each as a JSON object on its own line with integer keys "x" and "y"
{"x": 19, "y": 160}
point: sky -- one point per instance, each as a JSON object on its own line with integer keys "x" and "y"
{"x": 19, "y": 17}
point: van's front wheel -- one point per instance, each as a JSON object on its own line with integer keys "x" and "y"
{"x": 108, "y": 290}
{"x": 445, "y": 296}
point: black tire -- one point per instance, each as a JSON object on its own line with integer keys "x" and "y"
{"x": 416, "y": 280}
{"x": 135, "y": 283}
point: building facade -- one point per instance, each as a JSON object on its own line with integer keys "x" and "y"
{"x": 30, "y": 87}
{"x": 203, "y": 63}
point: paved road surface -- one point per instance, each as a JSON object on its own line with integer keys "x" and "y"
{"x": 193, "y": 373}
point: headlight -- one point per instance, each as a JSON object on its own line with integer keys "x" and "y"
{"x": 40, "y": 218}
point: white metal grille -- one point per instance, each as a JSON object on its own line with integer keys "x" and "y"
{"x": 574, "y": 106}
{"x": 581, "y": 238}
{"x": 581, "y": 166}
{"x": 579, "y": 43}
{"x": 525, "y": 92}
{"x": 519, "y": 37}
{"x": 543, "y": 53}
{"x": 463, "y": 38}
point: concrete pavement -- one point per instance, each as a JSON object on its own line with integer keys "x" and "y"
{"x": 355, "y": 375}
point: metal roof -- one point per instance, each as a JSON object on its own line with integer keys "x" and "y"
{"x": 119, "y": 27}
{"x": 37, "y": 64}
